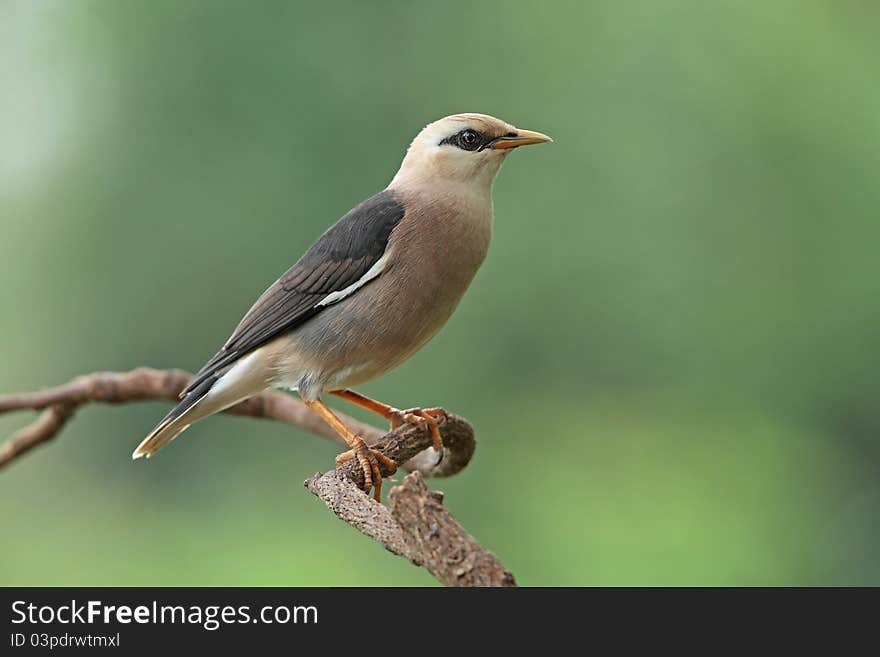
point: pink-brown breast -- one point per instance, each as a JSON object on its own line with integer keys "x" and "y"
{"x": 434, "y": 253}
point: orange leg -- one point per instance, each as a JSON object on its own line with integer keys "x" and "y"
{"x": 423, "y": 418}
{"x": 368, "y": 458}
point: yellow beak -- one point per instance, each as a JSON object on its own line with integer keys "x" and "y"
{"x": 521, "y": 138}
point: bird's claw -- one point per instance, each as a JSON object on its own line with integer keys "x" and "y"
{"x": 370, "y": 460}
{"x": 423, "y": 418}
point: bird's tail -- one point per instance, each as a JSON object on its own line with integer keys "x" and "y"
{"x": 211, "y": 395}
{"x": 159, "y": 437}
{"x": 171, "y": 426}
{"x": 194, "y": 406}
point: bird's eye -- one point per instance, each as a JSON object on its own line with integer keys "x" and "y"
{"x": 469, "y": 139}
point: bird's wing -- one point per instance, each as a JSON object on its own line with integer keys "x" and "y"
{"x": 346, "y": 257}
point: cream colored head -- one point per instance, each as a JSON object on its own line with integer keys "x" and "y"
{"x": 462, "y": 148}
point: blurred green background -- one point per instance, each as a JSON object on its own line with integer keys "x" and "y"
{"x": 670, "y": 355}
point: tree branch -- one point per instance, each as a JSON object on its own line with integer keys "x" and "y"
{"x": 60, "y": 403}
{"x": 415, "y": 526}
{"x": 436, "y": 539}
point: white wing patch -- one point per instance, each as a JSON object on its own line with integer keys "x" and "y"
{"x": 372, "y": 273}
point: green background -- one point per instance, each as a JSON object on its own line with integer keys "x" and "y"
{"x": 670, "y": 355}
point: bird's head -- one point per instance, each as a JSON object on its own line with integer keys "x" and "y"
{"x": 463, "y": 148}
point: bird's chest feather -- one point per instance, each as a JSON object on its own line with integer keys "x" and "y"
{"x": 438, "y": 247}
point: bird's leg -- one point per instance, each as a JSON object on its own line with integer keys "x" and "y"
{"x": 423, "y": 418}
{"x": 368, "y": 458}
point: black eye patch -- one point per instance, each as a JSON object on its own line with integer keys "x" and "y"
{"x": 468, "y": 140}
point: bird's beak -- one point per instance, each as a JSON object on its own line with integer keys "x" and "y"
{"x": 521, "y": 138}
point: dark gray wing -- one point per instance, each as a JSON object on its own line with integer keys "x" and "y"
{"x": 340, "y": 258}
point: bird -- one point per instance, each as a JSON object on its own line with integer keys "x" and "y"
{"x": 369, "y": 293}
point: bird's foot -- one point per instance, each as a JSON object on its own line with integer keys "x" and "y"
{"x": 370, "y": 460}
{"x": 423, "y": 418}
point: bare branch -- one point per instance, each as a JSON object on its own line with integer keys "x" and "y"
{"x": 47, "y": 425}
{"x": 340, "y": 489}
{"x": 371, "y": 518}
{"x": 415, "y": 526}
{"x": 60, "y": 403}
{"x": 436, "y": 539}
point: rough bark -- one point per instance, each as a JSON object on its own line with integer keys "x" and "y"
{"x": 59, "y": 404}
{"x": 436, "y": 540}
{"x": 415, "y": 525}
